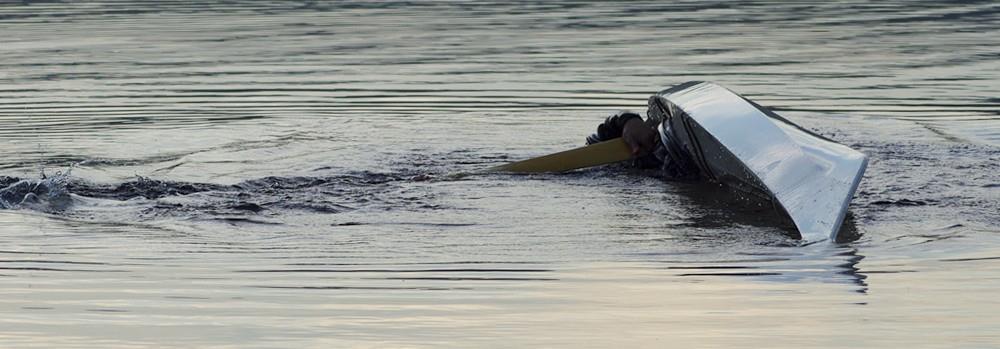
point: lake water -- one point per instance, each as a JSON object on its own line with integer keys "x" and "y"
{"x": 255, "y": 174}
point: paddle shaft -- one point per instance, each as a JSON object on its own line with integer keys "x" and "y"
{"x": 611, "y": 151}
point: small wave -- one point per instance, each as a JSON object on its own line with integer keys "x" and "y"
{"x": 256, "y": 201}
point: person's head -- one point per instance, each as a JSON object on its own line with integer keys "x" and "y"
{"x": 640, "y": 135}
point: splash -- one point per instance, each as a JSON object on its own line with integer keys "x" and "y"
{"x": 47, "y": 194}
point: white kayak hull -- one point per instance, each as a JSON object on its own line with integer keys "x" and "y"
{"x": 756, "y": 152}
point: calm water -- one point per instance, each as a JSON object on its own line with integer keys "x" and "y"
{"x": 255, "y": 175}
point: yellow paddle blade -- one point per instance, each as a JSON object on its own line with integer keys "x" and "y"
{"x": 602, "y": 153}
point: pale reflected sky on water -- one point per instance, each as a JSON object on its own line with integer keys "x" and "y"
{"x": 248, "y": 175}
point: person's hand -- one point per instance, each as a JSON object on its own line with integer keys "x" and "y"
{"x": 639, "y": 136}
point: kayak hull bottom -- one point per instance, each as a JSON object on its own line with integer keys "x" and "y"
{"x": 761, "y": 155}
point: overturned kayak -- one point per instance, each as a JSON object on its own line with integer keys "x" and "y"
{"x": 760, "y": 154}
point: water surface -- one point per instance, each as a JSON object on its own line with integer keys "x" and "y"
{"x": 257, "y": 174}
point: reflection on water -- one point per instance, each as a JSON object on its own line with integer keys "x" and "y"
{"x": 275, "y": 174}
